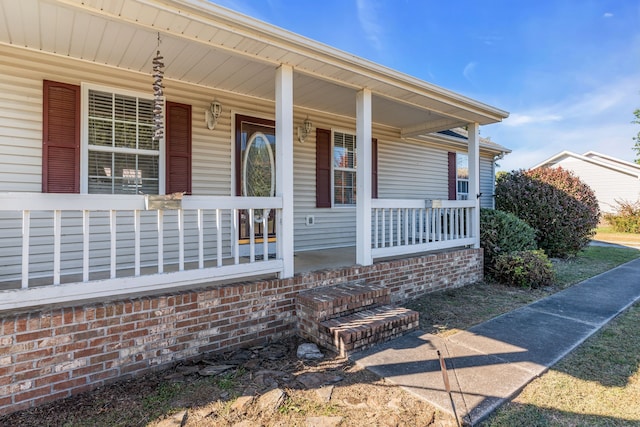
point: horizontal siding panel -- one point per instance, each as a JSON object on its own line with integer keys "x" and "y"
{"x": 607, "y": 184}
{"x": 487, "y": 182}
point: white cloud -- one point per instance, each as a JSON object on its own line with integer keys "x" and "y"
{"x": 599, "y": 120}
{"x": 489, "y": 39}
{"x": 469, "y": 70}
{"x": 604, "y": 99}
{"x": 537, "y": 143}
{"x": 519, "y": 119}
{"x": 370, "y": 22}
{"x": 608, "y": 15}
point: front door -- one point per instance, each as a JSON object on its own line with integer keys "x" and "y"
{"x": 255, "y": 173}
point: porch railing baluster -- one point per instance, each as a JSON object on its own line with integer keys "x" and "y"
{"x": 265, "y": 237}
{"x": 136, "y": 242}
{"x": 218, "y": 238}
{"x": 180, "y": 239}
{"x": 234, "y": 236}
{"x": 399, "y": 226}
{"x": 200, "y": 239}
{"x": 383, "y": 229}
{"x": 406, "y": 227}
{"x": 413, "y": 226}
{"x": 390, "y": 227}
{"x": 57, "y": 232}
{"x": 252, "y": 239}
{"x": 112, "y": 234}
{"x": 26, "y": 226}
{"x": 85, "y": 244}
{"x": 160, "y": 228}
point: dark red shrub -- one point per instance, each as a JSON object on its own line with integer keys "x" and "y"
{"x": 563, "y": 209}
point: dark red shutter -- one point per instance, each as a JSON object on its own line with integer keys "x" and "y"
{"x": 60, "y": 138}
{"x": 323, "y": 168}
{"x": 452, "y": 175}
{"x": 178, "y": 148}
{"x": 374, "y": 168}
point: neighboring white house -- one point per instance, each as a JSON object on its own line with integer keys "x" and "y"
{"x": 611, "y": 179}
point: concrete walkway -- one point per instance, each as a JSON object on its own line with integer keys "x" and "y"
{"x": 491, "y": 362}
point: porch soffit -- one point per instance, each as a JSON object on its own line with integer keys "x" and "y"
{"x": 210, "y": 46}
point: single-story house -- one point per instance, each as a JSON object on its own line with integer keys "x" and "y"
{"x": 610, "y": 178}
{"x": 173, "y": 174}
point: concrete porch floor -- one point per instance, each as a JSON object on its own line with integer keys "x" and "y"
{"x": 324, "y": 259}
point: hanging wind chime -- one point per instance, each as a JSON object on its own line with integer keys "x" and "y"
{"x": 158, "y": 92}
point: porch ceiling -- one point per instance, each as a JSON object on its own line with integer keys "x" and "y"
{"x": 208, "y": 45}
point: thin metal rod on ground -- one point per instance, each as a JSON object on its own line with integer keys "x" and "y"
{"x": 445, "y": 378}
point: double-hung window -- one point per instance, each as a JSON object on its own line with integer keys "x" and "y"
{"x": 121, "y": 155}
{"x": 462, "y": 176}
{"x": 344, "y": 169}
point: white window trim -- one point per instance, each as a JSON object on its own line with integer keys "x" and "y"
{"x": 333, "y": 169}
{"x": 84, "y": 134}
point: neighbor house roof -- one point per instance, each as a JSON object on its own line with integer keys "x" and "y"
{"x": 461, "y": 135}
{"x": 595, "y": 158}
{"x": 208, "y": 45}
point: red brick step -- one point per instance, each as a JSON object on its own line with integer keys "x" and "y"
{"x": 363, "y": 329}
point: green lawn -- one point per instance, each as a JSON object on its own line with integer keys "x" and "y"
{"x": 607, "y": 234}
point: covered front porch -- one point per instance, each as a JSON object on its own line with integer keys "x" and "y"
{"x": 63, "y": 143}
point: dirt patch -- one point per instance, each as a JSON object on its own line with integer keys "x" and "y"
{"x": 261, "y": 386}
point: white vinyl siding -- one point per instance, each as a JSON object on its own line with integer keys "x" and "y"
{"x": 487, "y": 182}
{"x": 609, "y": 185}
{"x": 21, "y": 130}
{"x": 411, "y": 170}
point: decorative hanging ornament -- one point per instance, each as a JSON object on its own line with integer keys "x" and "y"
{"x": 158, "y": 92}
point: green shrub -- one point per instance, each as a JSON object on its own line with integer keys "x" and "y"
{"x": 563, "y": 209}
{"x": 527, "y": 269}
{"x": 503, "y": 232}
{"x": 627, "y": 217}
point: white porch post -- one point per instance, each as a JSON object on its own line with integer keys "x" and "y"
{"x": 474, "y": 178}
{"x": 284, "y": 166}
{"x": 363, "y": 178}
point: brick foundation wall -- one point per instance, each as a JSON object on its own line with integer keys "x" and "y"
{"x": 50, "y": 354}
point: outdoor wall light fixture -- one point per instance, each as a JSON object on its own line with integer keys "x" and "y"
{"x": 303, "y": 131}
{"x": 211, "y": 114}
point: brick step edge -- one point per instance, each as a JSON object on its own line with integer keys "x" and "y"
{"x": 340, "y": 300}
{"x": 364, "y": 329}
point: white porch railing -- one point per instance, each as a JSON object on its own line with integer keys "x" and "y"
{"x": 63, "y": 247}
{"x": 401, "y": 227}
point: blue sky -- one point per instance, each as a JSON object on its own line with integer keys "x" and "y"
{"x": 568, "y": 71}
